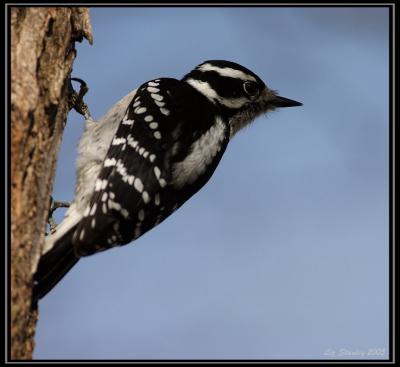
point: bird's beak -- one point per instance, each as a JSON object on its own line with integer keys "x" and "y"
{"x": 279, "y": 101}
{"x": 272, "y": 100}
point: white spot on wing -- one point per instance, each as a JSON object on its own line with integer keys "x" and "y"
{"x": 138, "y": 184}
{"x": 157, "y": 97}
{"x": 93, "y": 210}
{"x": 110, "y": 162}
{"x": 159, "y": 103}
{"x": 121, "y": 169}
{"x": 153, "y": 90}
{"x": 132, "y": 142}
{"x": 127, "y": 122}
{"x": 140, "y": 110}
{"x": 141, "y": 215}
{"x": 113, "y": 205}
{"x": 145, "y": 197}
{"x": 100, "y": 185}
{"x": 118, "y": 141}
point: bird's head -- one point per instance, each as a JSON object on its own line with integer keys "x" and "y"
{"x": 240, "y": 94}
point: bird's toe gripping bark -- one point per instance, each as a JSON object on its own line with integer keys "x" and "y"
{"x": 76, "y": 99}
{"x": 53, "y": 207}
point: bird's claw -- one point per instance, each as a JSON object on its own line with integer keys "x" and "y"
{"x": 54, "y": 205}
{"x": 76, "y": 99}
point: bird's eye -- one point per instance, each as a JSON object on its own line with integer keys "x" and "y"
{"x": 251, "y": 89}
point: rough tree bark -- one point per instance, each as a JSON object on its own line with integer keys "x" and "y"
{"x": 42, "y": 54}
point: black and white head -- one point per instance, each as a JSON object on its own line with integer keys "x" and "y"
{"x": 238, "y": 93}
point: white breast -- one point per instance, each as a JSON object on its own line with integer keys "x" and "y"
{"x": 201, "y": 154}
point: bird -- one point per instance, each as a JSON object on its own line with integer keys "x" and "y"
{"x": 150, "y": 153}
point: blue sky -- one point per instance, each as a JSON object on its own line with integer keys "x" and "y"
{"x": 284, "y": 253}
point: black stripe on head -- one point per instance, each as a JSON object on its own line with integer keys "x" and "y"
{"x": 225, "y": 78}
{"x": 231, "y": 65}
{"x": 225, "y": 87}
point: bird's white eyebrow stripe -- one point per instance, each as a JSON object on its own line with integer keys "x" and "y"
{"x": 233, "y": 73}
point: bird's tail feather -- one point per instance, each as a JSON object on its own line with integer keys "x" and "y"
{"x": 53, "y": 265}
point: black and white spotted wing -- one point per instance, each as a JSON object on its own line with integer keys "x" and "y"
{"x": 128, "y": 191}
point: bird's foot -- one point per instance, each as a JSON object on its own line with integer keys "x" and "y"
{"x": 54, "y": 205}
{"x": 76, "y": 99}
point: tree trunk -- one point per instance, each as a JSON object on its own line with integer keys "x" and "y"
{"x": 42, "y": 54}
